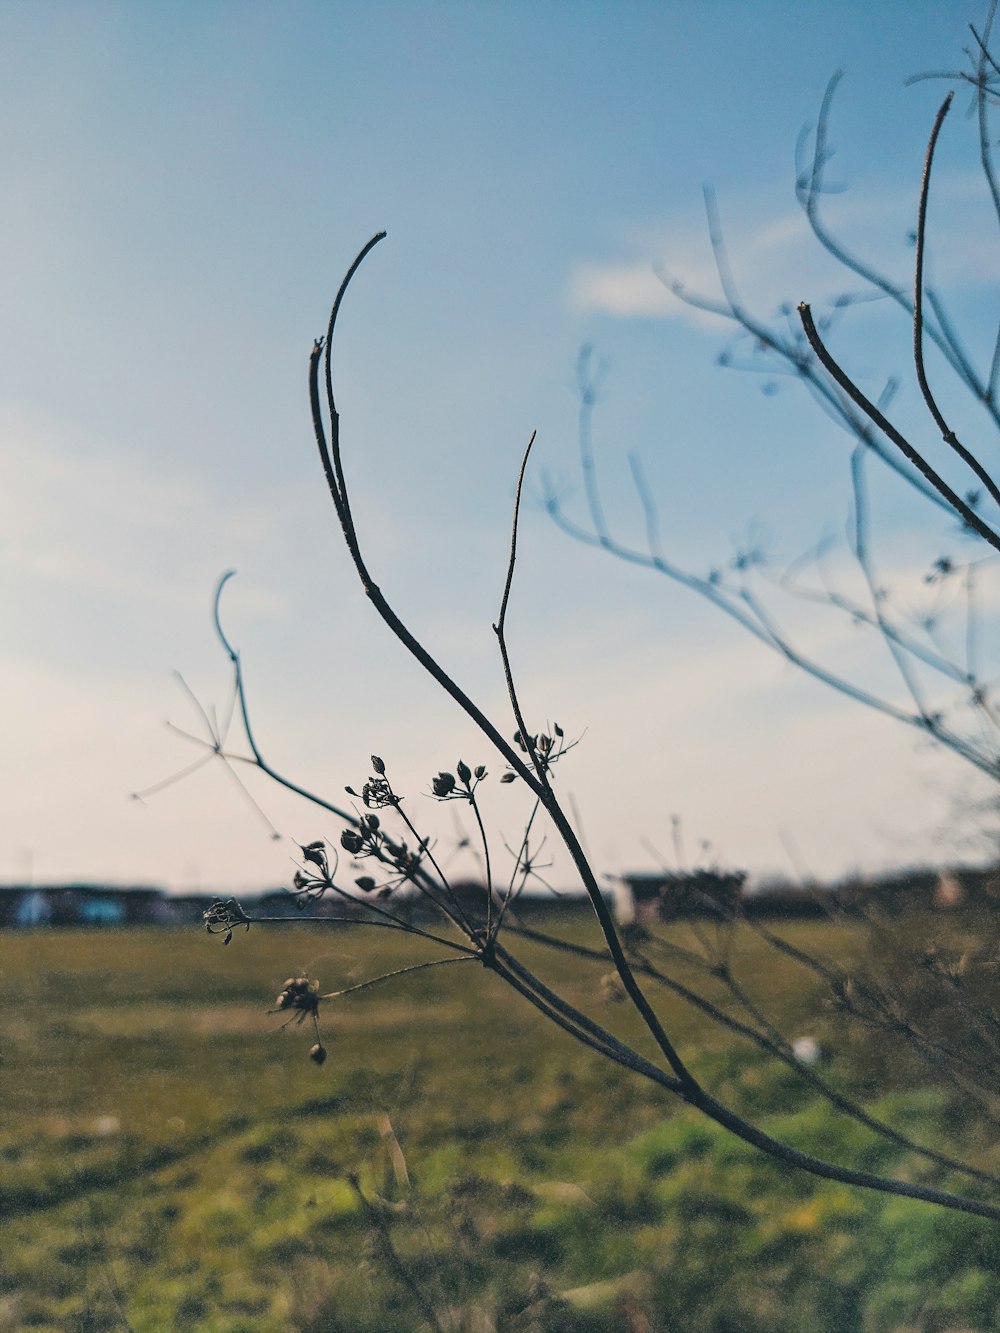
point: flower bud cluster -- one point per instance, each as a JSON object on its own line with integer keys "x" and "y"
{"x": 377, "y": 793}
{"x": 300, "y": 995}
{"x": 367, "y": 838}
{"x": 460, "y": 785}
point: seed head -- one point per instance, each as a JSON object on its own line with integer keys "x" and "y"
{"x": 223, "y": 917}
{"x": 352, "y": 841}
{"x": 300, "y": 995}
{"x": 315, "y": 853}
{"x": 376, "y": 793}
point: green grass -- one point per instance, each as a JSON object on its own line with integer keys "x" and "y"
{"x": 168, "y": 1160}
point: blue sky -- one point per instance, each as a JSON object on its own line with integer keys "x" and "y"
{"x": 184, "y": 185}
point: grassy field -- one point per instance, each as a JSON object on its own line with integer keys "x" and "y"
{"x": 171, "y": 1161}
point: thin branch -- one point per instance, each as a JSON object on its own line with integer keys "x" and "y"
{"x": 862, "y": 554}
{"x": 393, "y": 923}
{"x": 947, "y": 434}
{"x": 456, "y": 916}
{"x": 985, "y": 142}
{"x": 330, "y": 457}
{"x": 520, "y": 867}
{"x": 971, "y": 626}
{"x": 612, "y": 1052}
{"x": 487, "y": 867}
{"x": 789, "y": 1156}
{"x": 470, "y": 957}
{"x": 333, "y": 470}
{"x": 967, "y": 514}
{"x": 961, "y": 357}
{"x": 182, "y": 773}
{"x": 258, "y": 758}
{"x": 770, "y": 1040}
{"x": 810, "y": 189}
{"x": 566, "y": 831}
{"x": 587, "y": 385}
{"x": 748, "y": 611}
{"x": 835, "y": 405}
{"x": 571, "y": 1012}
{"x": 391, "y": 1258}
{"x": 500, "y": 627}
{"x": 696, "y": 1096}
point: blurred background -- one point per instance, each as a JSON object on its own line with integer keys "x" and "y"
{"x": 184, "y": 187}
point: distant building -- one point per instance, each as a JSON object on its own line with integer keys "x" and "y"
{"x": 25, "y": 906}
{"x": 470, "y": 895}
{"x": 924, "y": 890}
{"x": 644, "y": 898}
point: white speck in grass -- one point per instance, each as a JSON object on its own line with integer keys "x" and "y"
{"x": 806, "y": 1050}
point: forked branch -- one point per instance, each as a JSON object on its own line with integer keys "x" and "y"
{"x": 676, "y": 1077}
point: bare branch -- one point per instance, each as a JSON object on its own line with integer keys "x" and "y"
{"x": 947, "y": 434}
{"x": 968, "y": 515}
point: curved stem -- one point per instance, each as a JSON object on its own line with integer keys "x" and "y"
{"x": 330, "y": 455}
{"x": 486, "y": 861}
{"x": 681, "y": 1080}
{"x": 947, "y": 434}
{"x": 258, "y": 758}
{"x": 810, "y": 190}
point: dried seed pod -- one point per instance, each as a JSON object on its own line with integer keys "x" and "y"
{"x": 352, "y": 841}
{"x": 299, "y": 994}
{"x": 315, "y": 852}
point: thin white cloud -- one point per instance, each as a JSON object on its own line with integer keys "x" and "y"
{"x": 622, "y": 290}
{"x": 775, "y": 259}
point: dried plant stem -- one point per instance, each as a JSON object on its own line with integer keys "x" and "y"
{"x": 680, "y": 1080}
{"x": 469, "y": 957}
{"x": 964, "y": 511}
{"x": 766, "y": 1038}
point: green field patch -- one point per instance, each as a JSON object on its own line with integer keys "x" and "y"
{"x": 165, "y": 1151}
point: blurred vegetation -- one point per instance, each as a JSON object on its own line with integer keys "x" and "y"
{"x": 170, "y": 1160}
